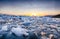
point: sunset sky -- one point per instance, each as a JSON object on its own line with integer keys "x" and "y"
{"x": 30, "y": 7}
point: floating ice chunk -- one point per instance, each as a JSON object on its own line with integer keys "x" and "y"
{"x": 19, "y": 31}
{"x": 4, "y": 28}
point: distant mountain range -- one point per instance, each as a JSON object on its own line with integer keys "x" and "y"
{"x": 56, "y": 16}
{"x": 53, "y": 16}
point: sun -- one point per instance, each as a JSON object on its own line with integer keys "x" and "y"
{"x": 37, "y": 14}
{"x": 34, "y": 14}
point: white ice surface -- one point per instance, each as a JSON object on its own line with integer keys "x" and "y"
{"x": 19, "y": 31}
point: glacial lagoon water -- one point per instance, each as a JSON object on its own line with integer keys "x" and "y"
{"x": 28, "y": 27}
